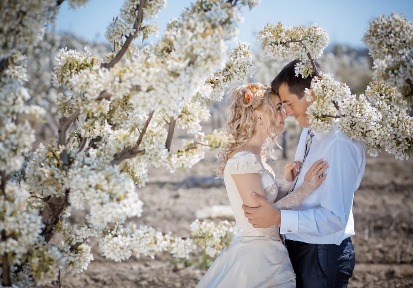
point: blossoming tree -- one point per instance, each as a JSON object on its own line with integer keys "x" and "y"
{"x": 117, "y": 116}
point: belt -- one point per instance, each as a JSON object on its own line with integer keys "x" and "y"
{"x": 294, "y": 243}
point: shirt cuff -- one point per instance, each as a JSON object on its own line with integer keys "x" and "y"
{"x": 289, "y": 222}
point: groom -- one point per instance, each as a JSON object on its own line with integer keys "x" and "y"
{"x": 318, "y": 232}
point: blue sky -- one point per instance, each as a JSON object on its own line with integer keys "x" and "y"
{"x": 344, "y": 21}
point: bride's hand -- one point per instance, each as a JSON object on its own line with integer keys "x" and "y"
{"x": 315, "y": 176}
{"x": 291, "y": 170}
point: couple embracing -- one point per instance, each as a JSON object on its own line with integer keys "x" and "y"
{"x": 291, "y": 232}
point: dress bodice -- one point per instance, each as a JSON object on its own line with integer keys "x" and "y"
{"x": 242, "y": 163}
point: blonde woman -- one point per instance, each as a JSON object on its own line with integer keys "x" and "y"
{"x": 256, "y": 256}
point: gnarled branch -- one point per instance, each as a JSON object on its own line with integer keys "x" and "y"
{"x": 51, "y": 214}
{"x": 55, "y": 205}
{"x": 130, "y": 152}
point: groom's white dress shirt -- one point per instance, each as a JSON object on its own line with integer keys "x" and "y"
{"x": 326, "y": 217}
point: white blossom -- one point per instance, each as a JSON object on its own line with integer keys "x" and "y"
{"x": 326, "y": 94}
{"x": 293, "y": 42}
{"x": 40, "y": 254}
{"x": 239, "y": 67}
{"x": 22, "y": 24}
{"x": 180, "y": 248}
{"x": 390, "y": 43}
{"x": 70, "y": 62}
{"x": 362, "y": 122}
{"x": 20, "y": 223}
{"x": 78, "y": 260}
{"x": 111, "y": 195}
{"x": 45, "y": 174}
{"x": 122, "y": 242}
{"x": 15, "y": 139}
{"x": 397, "y": 125}
{"x": 213, "y": 236}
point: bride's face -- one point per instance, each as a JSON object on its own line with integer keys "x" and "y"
{"x": 279, "y": 114}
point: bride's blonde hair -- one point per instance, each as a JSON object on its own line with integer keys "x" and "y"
{"x": 242, "y": 120}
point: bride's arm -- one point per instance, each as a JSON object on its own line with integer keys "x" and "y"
{"x": 313, "y": 179}
{"x": 246, "y": 184}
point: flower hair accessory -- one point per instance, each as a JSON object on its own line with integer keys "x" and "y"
{"x": 248, "y": 96}
{"x": 249, "y": 93}
{"x": 252, "y": 88}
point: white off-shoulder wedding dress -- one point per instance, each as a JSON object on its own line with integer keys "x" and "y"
{"x": 256, "y": 257}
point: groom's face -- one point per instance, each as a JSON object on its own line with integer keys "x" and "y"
{"x": 294, "y": 106}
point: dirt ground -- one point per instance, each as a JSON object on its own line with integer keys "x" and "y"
{"x": 382, "y": 210}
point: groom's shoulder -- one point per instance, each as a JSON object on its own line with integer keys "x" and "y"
{"x": 338, "y": 136}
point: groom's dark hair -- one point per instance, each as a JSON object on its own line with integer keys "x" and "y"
{"x": 296, "y": 84}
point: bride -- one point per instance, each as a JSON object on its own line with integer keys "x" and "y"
{"x": 256, "y": 256}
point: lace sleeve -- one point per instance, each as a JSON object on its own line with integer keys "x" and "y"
{"x": 296, "y": 197}
{"x": 283, "y": 187}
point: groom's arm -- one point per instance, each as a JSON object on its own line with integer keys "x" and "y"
{"x": 346, "y": 162}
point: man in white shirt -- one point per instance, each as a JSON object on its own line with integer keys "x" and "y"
{"x": 317, "y": 232}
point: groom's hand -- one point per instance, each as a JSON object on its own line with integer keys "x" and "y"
{"x": 263, "y": 216}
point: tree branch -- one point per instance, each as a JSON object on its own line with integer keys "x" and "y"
{"x": 193, "y": 145}
{"x": 130, "y": 152}
{"x": 64, "y": 124}
{"x": 83, "y": 143}
{"x": 3, "y": 182}
{"x": 54, "y": 206}
{"x": 336, "y": 105}
{"x": 59, "y": 2}
{"x": 51, "y": 214}
{"x": 136, "y": 26}
{"x": 410, "y": 83}
{"x": 3, "y": 64}
{"x": 104, "y": 95}
{"x": 126, "y": 153}
{"x": 69, "y": 120}
{"x": 75, "y": 246}
{"x": 5, "y": 266}
{"x": 171, "y": 130}
{"x": 145, "y": 127}
{"x": 316, "y": 72}
{"x": 331, "y": 116}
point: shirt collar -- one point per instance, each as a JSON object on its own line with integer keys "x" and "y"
{"x": 321, "y": 135}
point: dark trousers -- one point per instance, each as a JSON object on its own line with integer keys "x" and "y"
{"x": 322, "y": 265}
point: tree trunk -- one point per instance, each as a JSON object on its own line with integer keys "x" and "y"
{"x": 5, "y": 267}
